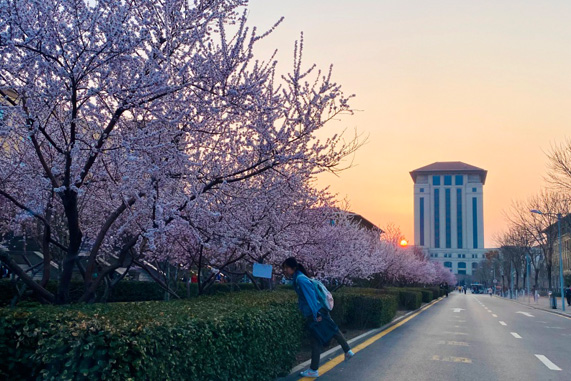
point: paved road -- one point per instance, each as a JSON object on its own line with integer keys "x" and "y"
{"x": 468, "y": 337}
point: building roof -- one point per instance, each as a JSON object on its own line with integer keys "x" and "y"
{"x": 565, "y": 226}
{"x": 364, "y": 222}
{"x": 449, "y": 167}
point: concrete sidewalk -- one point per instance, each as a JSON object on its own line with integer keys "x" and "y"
{"x": 542, "y": 303}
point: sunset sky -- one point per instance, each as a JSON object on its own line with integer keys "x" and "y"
{"x": 483, "y": 82}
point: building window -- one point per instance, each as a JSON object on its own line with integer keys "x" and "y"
{"x": 459, "y": 180}
{"x": 474, "y": 265}
{"x": 448, "y": 264}
{"x": 435, "y": 180}
{"x": 475, "y": 221}
{"x": 422, "y": 221}
{"x": 437, "y": 218}
{"x": 459, "y": 217}
{"x": 421, "y": 190}
{"x": 447, "y": 180}
{"x": 461, "y": 265}
{"x": 475, "y": 256}
{"x": 461, "y": 255}
{"x": 448, "y": 218}
{"x": 474, "y": 190}
{"x": 461, "y": 272}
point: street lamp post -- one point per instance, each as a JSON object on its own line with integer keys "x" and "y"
{"x": 528, "y": 260}
{"x": 558, "y": 215}
{"x": 560, "y": 262}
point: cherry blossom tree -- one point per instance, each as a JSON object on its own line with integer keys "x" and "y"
{"x": 132, "y": 117}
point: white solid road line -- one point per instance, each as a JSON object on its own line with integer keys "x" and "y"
{"x": 515, "y": 335}
{"x": 502, "y": 323}
{"x": 525, "y": 313}
{"x": 547, "y": 362}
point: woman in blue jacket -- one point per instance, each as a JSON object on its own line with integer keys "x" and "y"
{"x": 313, "y": 312}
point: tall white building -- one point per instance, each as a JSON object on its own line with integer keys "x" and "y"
{"x": 449, "y": 214}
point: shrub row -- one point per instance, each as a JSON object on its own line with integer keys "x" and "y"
{"x": 408, "y": 299}
{"x": 124, "y": 291}
{"x": 248, "y": 336}
{"x": 362, "y": 308}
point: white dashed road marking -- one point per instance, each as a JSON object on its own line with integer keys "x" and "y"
{"x": 502, "y": 323}
{"x": 494, "y": 315}
{"x": 547, "y": 362}
{"x": 515, "y": 335}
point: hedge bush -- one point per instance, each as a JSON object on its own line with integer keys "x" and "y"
{"x": 408, "y": 299}
{"x": 436, "y": 292}
{"x": 363, "y": 308}
{"x": 125, "y": 291}
{"x": 248, "y": 336}
{"x": 426, "y": 295}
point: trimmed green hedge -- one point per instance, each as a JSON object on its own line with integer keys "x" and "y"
{"x": 436, "y": 292}
{"x": 408, "y": 299}
{"x": 363, "y": 308}
{"x": 124, "y": 291}
{"x": 426, "y": 295}
{"x": 248, "y": 336}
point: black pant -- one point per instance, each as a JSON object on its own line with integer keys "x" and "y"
{"x": 316, "y": 348}
{"x": 569, "y": 300}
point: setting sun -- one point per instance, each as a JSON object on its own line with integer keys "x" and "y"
{"x": 404, "y": 243}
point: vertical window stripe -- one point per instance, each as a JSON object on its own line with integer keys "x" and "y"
{"x": 437, "y": 218}
{"x": 422, "y": 221}
{"x": 448, "y": 212}
{"x": 475, "y": 221}
{"x": 459, "y": 217}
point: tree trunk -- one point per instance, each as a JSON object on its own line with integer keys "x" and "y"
{"x": 69, "y": 200}
{"x": 46, "y": 247}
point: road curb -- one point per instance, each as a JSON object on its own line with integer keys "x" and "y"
{"x": 336, "y": 351}
{"x": 538, "y": 308}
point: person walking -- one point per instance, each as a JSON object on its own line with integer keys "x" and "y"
{"x": 568, "y": 295}
{"x": 318, "y": 321}
{"x": 444, "y": 286}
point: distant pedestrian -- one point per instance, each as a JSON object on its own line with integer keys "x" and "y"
{"x": 444, "y": 286}
{"x": 465, "y": 290}
{"x": 568, "y": 295}
{"x": 490, "y": 291}
{"x": 318, "y": 321}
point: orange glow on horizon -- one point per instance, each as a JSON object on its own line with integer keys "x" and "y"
{"x": 434, "y": 82}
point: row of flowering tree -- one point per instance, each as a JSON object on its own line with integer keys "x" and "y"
{"x": 528, "y": 248}
{"x": 144, "y": 133}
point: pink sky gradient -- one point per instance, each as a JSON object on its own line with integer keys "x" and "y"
{"x": 487, "y": 83}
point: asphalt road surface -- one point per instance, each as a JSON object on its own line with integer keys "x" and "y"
{"x": 468, "y": 337}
